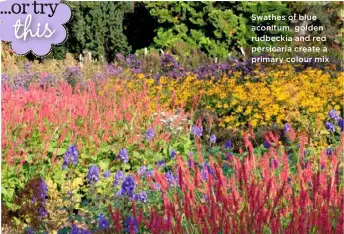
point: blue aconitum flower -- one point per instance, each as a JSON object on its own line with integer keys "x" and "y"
{"x": 41, "y": 211}
{"x": 131, "y": 225}
{"x": 266, "y": 144}
{"x": 150, "y": 134}
{"x": 287, "y": 127}
{"x": 333, "y": 114}
{"x": 118, "y": 177}
{"x": 43, "y": 189}
{"x": 29, "y": 230}
{"x": 128, "y": 186}
{"x": 197, "y": 131}
{"x": 212, "y": 139}
{"x": 102, "y": 222}
{"x": 161, "y": 164}
{"x": 118, "y": 193}
{"x": 206, "y": 170}
{"x": 70, "y": 156}
{"x": 341, "y": 124}
{"x": 204, "y": 174}
{"x": 228, "y": 144}
{"x": 142, "y": 171}
{"x": 75, "y": 229}
{"x": 329, "y": 151}
{"x": 173, "y": 153}
{"x": 142, "y": 197}
{"x": 156, "y": 186}
{"x": 330, "y": 127}
{"x": 210, "y": 170}
{"x": 107, "y": 174}
{"x": 40, "y": 197}
{"x": 123, "y": 155}
{"x": 171, "y": 178}
{"x": 150, "y": 173}
{"x": 93, "y": 174}
{"x": 191, "y": 163}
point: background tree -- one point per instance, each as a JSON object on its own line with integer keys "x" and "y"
{"x": 96, "y": 27}
{"x": 216, "y": 28}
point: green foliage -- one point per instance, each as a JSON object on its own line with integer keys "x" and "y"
{"x": 217, "y": 28}
{"x": 96, "y": 27}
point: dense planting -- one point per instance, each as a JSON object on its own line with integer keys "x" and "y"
{"x": 226, "y": 148}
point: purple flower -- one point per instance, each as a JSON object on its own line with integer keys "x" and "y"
{"x": 197, "y": 131}
{"x": 141, "y": 171}
{"x": 119, "y": 56}
{"x": 191, "y": 163}
{"x": 266, "y": 144}
{"x": 102, "y": 222}
{"x": 157, "y": 186}
{"x": 73, "y": 75}
{"x": 228, "y": 144}
{"x": 42, "y": 212}
{"x": 5, "y": 79}
{"x": 329, "y": 151}
{"x": 204, "y": 174}
{"x": 128, "y": 186}
{"x": 150, "y": 173}
{"x": 150, "y": 134}
{"x": 118, "y": 177}
{"x": 330, "y": 127}
{"x": 39, "y": 197}
{"x": 29, "y": 230}
{"x": 48, "y": 81}
{"x": 43, "y": 189}
{"x": 23, "y": 80}
{"x": 171, "y": 178}
{"x": 107, "y": 174}
{"x": 173, "y": 153}
{"x": 275, "y": 163}
{"x": 123, "y": 155}
{"x": 27, "y": 66}
{"x": 83, "y": 231}
{"x": 341, "y": 124}
{"x": 287, "y": 127}
{"x": 70, "y": 156}
{"x": 206, "y": 170}
{"x": 161, "y": 164}
{"x": 212, "y": 139}
{"x": 93, "y": 174}
{"x": 333, "y": 114}
{"x": 142, "y": 197}
{"x": 144, "y": 172}
{"x": 111, "y": 70}
{"x": 134, "y": 63}
{"x": 131, "y": 225}
{"x": 76, "y": 230}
